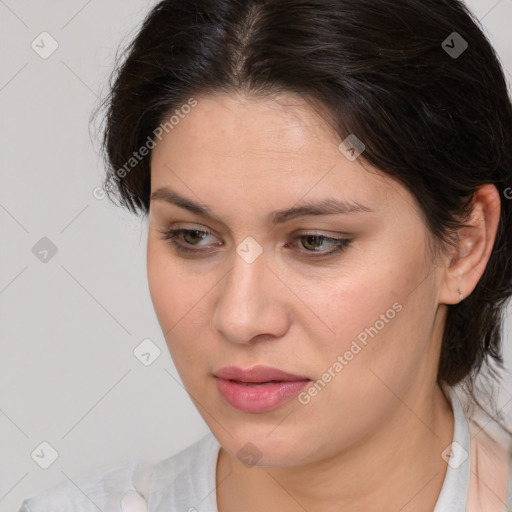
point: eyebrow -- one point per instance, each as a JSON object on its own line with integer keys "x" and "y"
{"x": 327, "y": 206}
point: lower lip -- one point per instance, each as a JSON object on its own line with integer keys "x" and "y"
{"x": 258, "y": 398}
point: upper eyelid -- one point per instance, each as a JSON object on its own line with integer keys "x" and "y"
{"x": 338, "y": 238}
{"x": 300, "y": 233}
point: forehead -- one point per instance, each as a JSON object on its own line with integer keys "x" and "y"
{"x": 237, "y": 125}
{"x": 271, "y": 151}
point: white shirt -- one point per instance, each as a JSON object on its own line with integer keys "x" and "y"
{"x": 186, "y": 482}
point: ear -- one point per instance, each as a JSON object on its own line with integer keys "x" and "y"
{"x": 466, "y": 263}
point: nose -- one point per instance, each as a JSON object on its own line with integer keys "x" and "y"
{"x": 251, "y": 302}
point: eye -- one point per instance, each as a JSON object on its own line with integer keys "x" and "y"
{"x": 190, "y": 236}
{"x": 312, "y": 242}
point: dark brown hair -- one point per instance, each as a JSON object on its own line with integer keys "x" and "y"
{"x": 433, "y": 114}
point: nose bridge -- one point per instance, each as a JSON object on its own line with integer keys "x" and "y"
{"x": 246, "y": 306}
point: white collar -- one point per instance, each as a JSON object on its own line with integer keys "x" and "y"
{"x": 454, "y": 493}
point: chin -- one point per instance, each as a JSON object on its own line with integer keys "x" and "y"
{"x": 255, "y": 447}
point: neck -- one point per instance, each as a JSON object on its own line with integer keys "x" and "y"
{"x": 398, "y": 467}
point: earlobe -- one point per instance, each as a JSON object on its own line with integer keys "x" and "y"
{"x": 466, "y": 263}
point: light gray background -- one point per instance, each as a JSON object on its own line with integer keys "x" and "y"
{"x": 68, "y": 375}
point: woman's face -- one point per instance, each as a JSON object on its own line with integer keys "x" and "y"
{"x": 363, "y": 323}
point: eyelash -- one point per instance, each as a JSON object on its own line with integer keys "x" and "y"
{"x": 170, "y": 235}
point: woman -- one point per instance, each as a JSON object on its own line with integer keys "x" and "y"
{"x": 327, "y": 189}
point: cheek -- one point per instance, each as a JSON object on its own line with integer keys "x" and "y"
{"x": 160, "y": 284}
{"x": 376, "y": 314}
{"x": 171, "y": 292}
{"x": 179, "y": 299}
{"x": 355, "y": 301}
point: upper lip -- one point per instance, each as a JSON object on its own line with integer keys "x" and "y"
{"x": 256, "y": 374}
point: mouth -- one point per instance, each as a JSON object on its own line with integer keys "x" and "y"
{"x": 259, "y": 389}
{"x": 255, "y": 383}
{"x": 258, "y": 375}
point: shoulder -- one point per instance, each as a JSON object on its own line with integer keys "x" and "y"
{"x": 185, "y": 480}
{"x": 178, "y": 482}
{"x": 491, "y": 470}
{"x": 101, "y": 488}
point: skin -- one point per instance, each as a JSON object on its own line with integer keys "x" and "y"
{"x": 372, "y": 438}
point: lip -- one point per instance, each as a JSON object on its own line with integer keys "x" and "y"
{"x": 257, "y": 374}
{"x": 258, "y": 389}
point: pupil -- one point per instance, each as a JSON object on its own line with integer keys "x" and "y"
{"x": 316, "y": 238}
{"x": 191, "y": 234}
